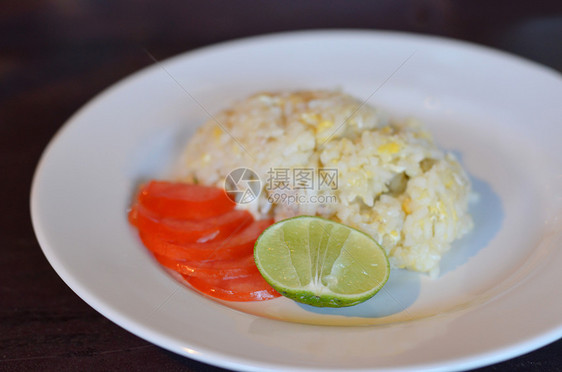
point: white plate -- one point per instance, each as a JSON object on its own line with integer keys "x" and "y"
{"x": 499, "y": 294}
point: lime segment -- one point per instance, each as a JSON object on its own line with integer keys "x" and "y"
{"x": 321, "y": 262}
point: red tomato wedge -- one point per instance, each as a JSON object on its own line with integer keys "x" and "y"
{"x": 216, "y": 269}
{"x": 183, "y": 200}
{"x": 239, "y": 244}
{"x": 190, "y": 231}
{"x": 249, "y": 288}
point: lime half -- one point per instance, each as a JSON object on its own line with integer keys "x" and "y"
{"x": 321, "y": 262}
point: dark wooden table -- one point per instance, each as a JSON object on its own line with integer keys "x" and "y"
{"x": 56, "y": 55}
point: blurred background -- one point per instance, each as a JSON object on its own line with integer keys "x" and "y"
{"x": 56, "y": 55}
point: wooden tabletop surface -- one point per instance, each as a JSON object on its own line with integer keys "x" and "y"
{"x": 56, "y": 55}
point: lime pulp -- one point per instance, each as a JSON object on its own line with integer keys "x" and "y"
{"x": 320, "y": 262}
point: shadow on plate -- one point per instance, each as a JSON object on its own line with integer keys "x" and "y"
{"x": 401, "y": 291}
{"x": 488, "y": 215}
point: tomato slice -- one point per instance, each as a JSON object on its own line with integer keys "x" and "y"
{"x": 214, "y": 269}
{"x": 132, "y": 216}
{"x": 239, "y": 244}
{"x": 191, "y": 231}
{"x": 249, "y": 288}
{"x": 196, "y": 231}
{"x": 183, "y": 200}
